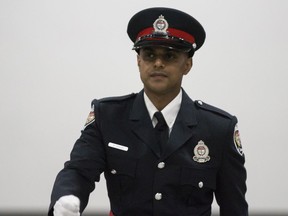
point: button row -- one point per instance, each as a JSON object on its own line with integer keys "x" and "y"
{"x": 158, "y": 196}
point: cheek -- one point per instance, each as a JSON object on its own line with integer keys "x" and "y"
{"x": 178, "y": 71}
{"x": 142, "y": 72}
{"x": 143, "y": 68}
{"x": 140, "y": 64}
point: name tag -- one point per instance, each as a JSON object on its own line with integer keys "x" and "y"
{"x": 117, "y": 146}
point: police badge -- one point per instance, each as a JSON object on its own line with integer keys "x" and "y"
{"x": 201, "y": 152}
{"x": 160, "y": 26}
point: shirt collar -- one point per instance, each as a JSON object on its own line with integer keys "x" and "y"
{"x": 169, "y": 112}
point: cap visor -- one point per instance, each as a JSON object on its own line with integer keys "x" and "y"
{"x": 170, "y": 44}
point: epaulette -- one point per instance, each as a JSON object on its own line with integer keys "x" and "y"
{"x": 213, "y": 109}
{"x": 117, "y": 98}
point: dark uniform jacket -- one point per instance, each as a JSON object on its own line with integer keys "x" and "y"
{"x": 141, "y": 181}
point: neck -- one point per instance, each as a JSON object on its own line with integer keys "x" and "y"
{"x": 160, "y": 101}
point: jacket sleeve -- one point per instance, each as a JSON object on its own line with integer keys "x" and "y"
{"x": 231, "y": 179}
{"x": 87, "y": 162}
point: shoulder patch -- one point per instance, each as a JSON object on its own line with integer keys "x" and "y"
{"x": 90, "y": 118}
{"x": 117, "y": 98}
{"x": 237, "y": 140}
{"x": 213, "y": 109}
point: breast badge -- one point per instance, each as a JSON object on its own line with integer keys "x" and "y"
{"x": 201, "y": 153}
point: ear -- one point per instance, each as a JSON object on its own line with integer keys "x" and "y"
{"x": 188, "y": 65}
{"x": 138, "y": 60}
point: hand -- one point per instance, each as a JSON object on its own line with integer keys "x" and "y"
{"x": 67, "y": 206}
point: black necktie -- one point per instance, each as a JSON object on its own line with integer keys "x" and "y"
{"x": 161, "y": 130}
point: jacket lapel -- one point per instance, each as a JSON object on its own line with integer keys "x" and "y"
{"x": 182, "y": 130}
{"x": 141, "y": 124}
{"x": 183, "y": 127}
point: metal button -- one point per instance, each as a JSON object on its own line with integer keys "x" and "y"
{"x": 161, "y": 165}
{"x": 158, "y": 196}
{"x": 200, "y": 184}
{"x": 200, "y": 102}
{"x": 113, "y": 171}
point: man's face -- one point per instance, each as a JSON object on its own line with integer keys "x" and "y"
{"x": 162, "y": 69}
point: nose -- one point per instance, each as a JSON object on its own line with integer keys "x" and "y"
{"x": 159, "y": 63}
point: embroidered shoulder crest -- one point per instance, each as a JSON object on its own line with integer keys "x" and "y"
{"x": 237, "y": 140}
{"x": 91, "y": 117}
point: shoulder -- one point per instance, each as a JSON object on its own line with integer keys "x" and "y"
{"x": 212, "y": 109}
{"x": 115, "y": 99}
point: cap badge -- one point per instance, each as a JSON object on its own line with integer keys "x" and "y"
{"x": 237, "y": 140}
{"x": 201, "y": 152}
{"x": 160, "y": 26}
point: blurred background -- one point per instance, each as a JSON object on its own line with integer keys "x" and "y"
{"x": 58, "y": 55}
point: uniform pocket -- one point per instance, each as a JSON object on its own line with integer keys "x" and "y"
{"x": 197, "y": 187}
{"x": 122, "y": 166}
{"x": 120, "y": 176}
{"x": 199, "y": 178}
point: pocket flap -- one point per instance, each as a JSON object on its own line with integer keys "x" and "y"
{"x": 199, "y": 177}
{"x": 122, "y": 166}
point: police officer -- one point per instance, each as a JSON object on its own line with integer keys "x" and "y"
{"x": 162, "y": 153}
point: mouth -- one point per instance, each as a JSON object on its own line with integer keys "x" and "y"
{"x": 158, "y": 74}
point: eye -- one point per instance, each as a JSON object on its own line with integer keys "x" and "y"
{"x": 170, "y": 56}
{"x": 148, "y": 56}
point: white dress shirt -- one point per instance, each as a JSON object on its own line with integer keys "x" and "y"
{"x": 169, "y": 112}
